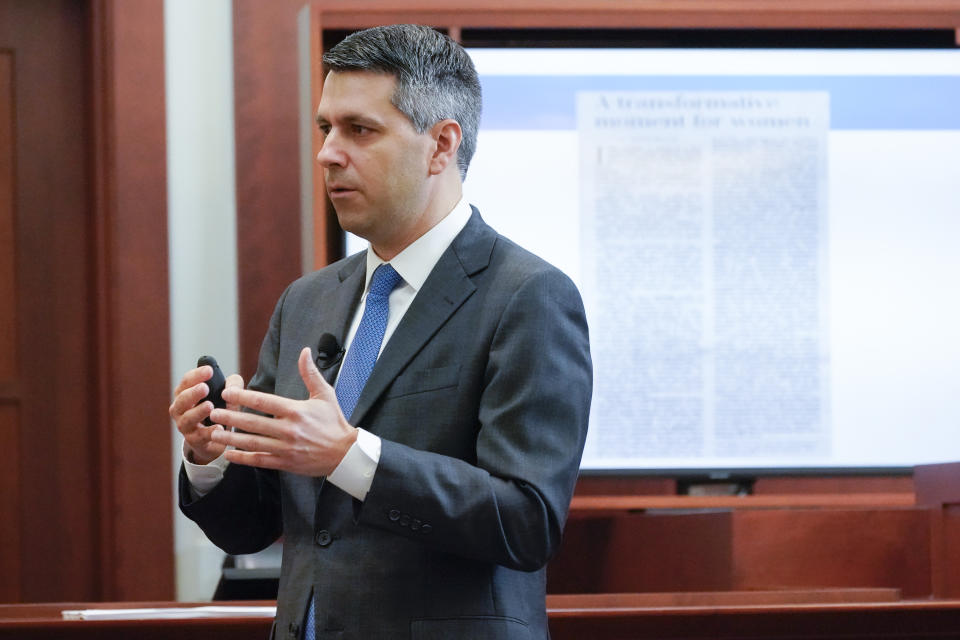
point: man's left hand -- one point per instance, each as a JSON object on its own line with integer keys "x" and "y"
{"x": 307, "y": 437}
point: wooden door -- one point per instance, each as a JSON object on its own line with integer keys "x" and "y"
{"x": 85, "y": 499}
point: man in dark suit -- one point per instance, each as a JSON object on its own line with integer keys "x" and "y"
{"x": 421, "y": 499}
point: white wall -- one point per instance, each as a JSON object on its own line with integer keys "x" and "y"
{"x": 202, "y": 227}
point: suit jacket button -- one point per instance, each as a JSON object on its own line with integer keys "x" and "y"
{"x": 415, "y": 524}
{"x": 394, "y": 515}
{"x": 294, "y": 630}
{"x": 405, "y": 520}
{"x": 324, "y": 538}
{"x": 426, "y": 528}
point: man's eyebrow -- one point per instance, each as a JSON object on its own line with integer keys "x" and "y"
{"x": 352, "y": 118}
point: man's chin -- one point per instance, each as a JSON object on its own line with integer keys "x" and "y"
{"x": 351, "y": 222}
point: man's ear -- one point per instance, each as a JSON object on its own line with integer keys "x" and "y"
{"x": 447, "y": 135}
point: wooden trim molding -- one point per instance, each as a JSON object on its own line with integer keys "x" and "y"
{"x": 327, "y": 234}
{"x": 266, "y": 112}
{"x": 10, "y": 415}
{"x": 131, "y": 315}
{"x": 821, "y": 14}
{"x": 101, "y": 187}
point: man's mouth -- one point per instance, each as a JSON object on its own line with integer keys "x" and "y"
{"x": 337, "y": 189}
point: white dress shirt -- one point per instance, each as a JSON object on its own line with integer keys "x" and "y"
{"x": 355, "y": 472}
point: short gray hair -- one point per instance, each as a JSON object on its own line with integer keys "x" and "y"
{"x": 436, "y": 78}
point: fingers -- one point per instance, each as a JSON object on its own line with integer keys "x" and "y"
{"x": 234, "y": 381}
{"x": 191, "y": 420}
{"x": 191, "y": 390}
{"x": 189, "y": 415}
{"x": 187, "y": 398}
{"x": 249, "y": 442}
{"x": 317, "y": 387}
{"x": 263, "y": 402}
{"x": 249, "y": 422}
{"x": 193, "y": 377}
{"x": 199, "y": 438}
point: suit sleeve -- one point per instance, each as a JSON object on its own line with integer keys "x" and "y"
{"x": 509, "y": 507}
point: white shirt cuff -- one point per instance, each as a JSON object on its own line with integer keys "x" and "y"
{"x": 355, "y": 472}
{"x": 203, "y": 477}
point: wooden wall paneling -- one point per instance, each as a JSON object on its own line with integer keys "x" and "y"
{"x": 93, "y": 509}
{"x": 781, "y": 485}
{"x": 670, "y": 552}
{"x": 633, "y": 485}
{"x": 8, "y": 301}
{"x": 575, "y": 571}
{"x": 132, "y": 378}
{"x": 625, "y": 485}
{"x": 938, "y": 488}
{"x": 267, "y": 163}
{"x": 53, "y": 332}
{"x": 10, "y": 491}
{"x": 9, "y": 378}
{"x": 746, "y": 550}
{"x": 821, "y": 548}
{"x": 643, "y": 552}
{"x": 871, "y": 621}
{"x": 721, "y": 598}
{"x": 947, "y": 563}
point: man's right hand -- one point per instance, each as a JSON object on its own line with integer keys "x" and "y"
{"x": 189, "y": 415}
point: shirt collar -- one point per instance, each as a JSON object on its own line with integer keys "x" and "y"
{"x": 416, "y": 262}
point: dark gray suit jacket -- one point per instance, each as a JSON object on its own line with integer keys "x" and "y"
{"x": 481, "y": 398}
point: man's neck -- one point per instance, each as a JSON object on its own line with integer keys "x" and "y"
{"x": 440, "y": 205}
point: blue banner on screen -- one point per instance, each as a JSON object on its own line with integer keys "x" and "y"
{"x": 901, "y": 102}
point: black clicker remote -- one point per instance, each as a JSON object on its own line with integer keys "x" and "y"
{"x": 216, "y": 385}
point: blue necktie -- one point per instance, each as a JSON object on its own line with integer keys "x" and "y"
{"x": 359, "y": 362}
{"x": 365, "y": 347}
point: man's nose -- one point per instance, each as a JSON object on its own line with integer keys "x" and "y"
{"x": 331, "y": 153}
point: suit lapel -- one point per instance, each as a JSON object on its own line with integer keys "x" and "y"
{"x": 447, "y": 287}
{"x": 335, "y": 309}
